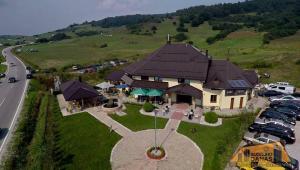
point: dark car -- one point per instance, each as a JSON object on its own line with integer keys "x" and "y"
{"x": 297, "y": 94}
{"x": 12, "y": 80}
{"x": 289, "y": 112}
{"x": 2, "y": 75}
{"x": 289, "y": 104}
{"x": 257, "y": 126}
{"x": 274, "y": 130}
{"x": 276, "y": 115}
{"x": 269, "y": 93}
{"x": 286, "y": 111}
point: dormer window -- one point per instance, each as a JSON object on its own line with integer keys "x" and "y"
{"x": 145, "y": 78}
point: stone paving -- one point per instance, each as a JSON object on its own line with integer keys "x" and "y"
{"x": 108, "y": 121}
{"x": 181, "y": 152}
{"x": 130, "y": 152}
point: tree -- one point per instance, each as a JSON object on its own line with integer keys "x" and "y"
{"x": 42, "y": 40}
{"x": 59, "y": 36}
{"x": 180, "y": 37}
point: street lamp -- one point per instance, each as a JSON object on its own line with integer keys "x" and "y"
{"x": 155, "y": 145}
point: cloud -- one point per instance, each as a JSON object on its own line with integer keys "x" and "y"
{"x": 122, "y": 6}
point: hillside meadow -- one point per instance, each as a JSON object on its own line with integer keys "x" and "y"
{"x": 243, "y": 47}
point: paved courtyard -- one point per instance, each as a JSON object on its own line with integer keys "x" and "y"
{"x": 181, "y": 152}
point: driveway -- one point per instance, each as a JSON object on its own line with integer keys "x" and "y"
{"x": 294, "y": 149}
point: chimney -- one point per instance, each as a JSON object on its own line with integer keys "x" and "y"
{"x": 206, "y": 53}
{"x": 80, "y": 79}
{"x": 169, "y": 39}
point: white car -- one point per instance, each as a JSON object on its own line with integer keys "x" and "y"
{"x": 284, "y": 98}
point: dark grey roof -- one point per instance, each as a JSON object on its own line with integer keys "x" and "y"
{"x": 149, "y": 84}
{"x": 115, "y": 76}
{"x": 186, "y": 90}
{"x": 172, "y": 61}
{"x": 251, "y": 76}
{"x": 75, "y": 90}
{"x": 223, "y": 74}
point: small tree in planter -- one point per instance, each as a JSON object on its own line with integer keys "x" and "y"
{"x": 211, "y": 117}
{"x": 148, "y": 107}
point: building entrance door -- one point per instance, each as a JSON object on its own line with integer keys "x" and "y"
{"x": 231, "y": 103}
{"x": 183, "y": 99}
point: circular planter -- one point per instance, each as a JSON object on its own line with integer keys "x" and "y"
{"x": 111, "y": 109}
{"x": 158, "y": 154}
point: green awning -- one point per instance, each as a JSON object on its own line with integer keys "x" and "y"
{"x": 154, "y": 93}
{"x": 139, "y": 92}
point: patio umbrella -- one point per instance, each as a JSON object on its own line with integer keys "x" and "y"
{"x": 139, "y": 92}
{"x": 105, "y": 85}
{"x": 154, "y": 93}
{"x": 122, "y": 86}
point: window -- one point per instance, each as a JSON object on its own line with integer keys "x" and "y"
{"x": 158, "y": 79}
{"x": 144, "y": 78}
{"x": 187, "y": 81}
{"x": 273, "y": 87}
{"x": 213, "y": 98}
{"x": 281, "y": 88}
{"x": 181, "y": 80}
{"x": 229, "y": 92}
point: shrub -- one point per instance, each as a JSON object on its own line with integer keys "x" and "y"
{"x": 261, "y": 64}
{"x": 211, "y": 117}
{"x": 180, "y": 37}
{"x": 103, "y": 45}
{"x": 148, "y": 107}
{"x": 297, "y": 62}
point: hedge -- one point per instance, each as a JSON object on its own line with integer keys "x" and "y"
{"x": 211, "y": 117}
{"x": 148, "y": 107}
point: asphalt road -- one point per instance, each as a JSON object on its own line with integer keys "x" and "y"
{"x": 11, "y": 96}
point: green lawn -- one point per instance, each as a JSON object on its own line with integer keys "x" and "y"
{"x": 87, "y": 142}
{"x": 216, "y": 143}
{"x": 135, "y": 121}
{"x": 2, "y": 67}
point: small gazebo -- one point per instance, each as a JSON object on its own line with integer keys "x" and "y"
{"x": 79, "y": 94}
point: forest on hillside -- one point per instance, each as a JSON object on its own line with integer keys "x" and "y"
{"x": 278, "y": 18}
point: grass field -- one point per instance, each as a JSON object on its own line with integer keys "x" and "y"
{"x": 87, "y": 142}
{"x": 216, "y": 143}
{"x": 243, "y": 47}
{"x": 2, "y": 59}
{"x": 137, "y": 122}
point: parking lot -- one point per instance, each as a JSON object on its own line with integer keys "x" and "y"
{"x": 294, "y": 149}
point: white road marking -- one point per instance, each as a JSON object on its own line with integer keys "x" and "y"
{"x": 2, "y": 102}
{"x": 17, "y": 111}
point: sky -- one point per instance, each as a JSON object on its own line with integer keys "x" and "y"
{"x": 29, "y": 17}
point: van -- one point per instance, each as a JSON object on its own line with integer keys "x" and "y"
{"x": 282, "y": 87}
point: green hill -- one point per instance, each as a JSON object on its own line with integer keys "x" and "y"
{"x": 257, "y": 34}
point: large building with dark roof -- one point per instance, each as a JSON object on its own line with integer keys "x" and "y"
{"x": 187, "y": 74}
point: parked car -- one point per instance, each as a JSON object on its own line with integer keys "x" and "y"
{"x": 283, "y": 111}
{"x": 283, "y": 87}
{"x": 261, "y": 138}
{"x": 275, "y": 121}
{"x": 272, "y": 124}
{"x": 276, "y": 115}
{"x": 289, "y": 112}
{"x": 269, "y": 93}
{"x": 12, "y": 80}
{"x": 284, "y": 98}
{"x": 284, "y": 134}
{"x": 2, "y": 75}
{"x": 297, "y": 94}
{"x": 290, "y": 104}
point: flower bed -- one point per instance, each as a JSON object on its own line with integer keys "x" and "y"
{"x": 158, "y": 155}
